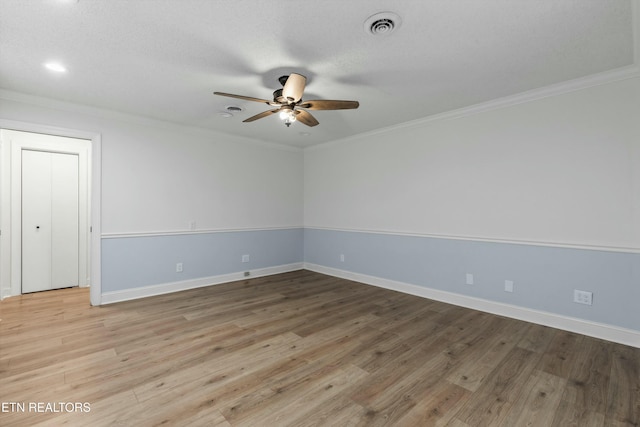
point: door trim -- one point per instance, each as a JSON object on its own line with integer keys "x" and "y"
{"x": 44, "y": 143}
{"x": 94, "y": 178}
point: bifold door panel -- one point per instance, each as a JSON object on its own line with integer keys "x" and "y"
{"x": 50, "y": 223}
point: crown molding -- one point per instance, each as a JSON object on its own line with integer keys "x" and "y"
{"x": 619, "y": 74}
{"x": 102, "y": 113}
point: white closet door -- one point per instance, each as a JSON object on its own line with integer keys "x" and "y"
{"x": 49, "y": 220}
{"x": 64, "y": 220}
{"x": 36, "y": 221}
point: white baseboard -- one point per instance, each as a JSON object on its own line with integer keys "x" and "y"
{"x": 597, "y": 330}
{"x": 4, "y": 293}
{"x": 165, "y": 288}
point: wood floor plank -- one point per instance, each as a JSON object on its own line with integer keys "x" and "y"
{"x": 438, "y": 406}
{"x": 588, "y": 383}
{"x": 537, "y": 338}
{"x": 623, "y": 397}
{"x": 335, "y": 411}
{"x": 243, "y": 363}
{"x": 558, "y": 360}
{"x": 302, "y": 397}
{"x": 20, "y": 383}
{"x": 493, "y": 400}
{"x": 408, "y": 394}
{"x": 480, "y": 361}
{"x": 538, "y": 402}
{"x": 303, "y": 349}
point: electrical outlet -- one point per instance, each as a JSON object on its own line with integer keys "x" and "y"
{"x": 245, "y": 258}
{"x": 469, "y": 279}
{"x": 341, "y": 257}
{"x": 192, "y": 225}
{"x": 582, "y": 297}
{"x": 179, "y": 267}
{"x": 247, "y": 274}
{"x": 508, "y": 285}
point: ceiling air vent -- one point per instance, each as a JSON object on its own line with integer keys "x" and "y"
{"x": 382, "y": 24}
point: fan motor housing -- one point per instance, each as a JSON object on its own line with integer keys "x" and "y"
{"x": 277, "y": 96}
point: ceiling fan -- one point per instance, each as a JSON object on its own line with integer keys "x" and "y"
{"x": 290, "y": 105}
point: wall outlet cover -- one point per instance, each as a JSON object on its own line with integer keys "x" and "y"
{"x": 582, "y": 297}
{"x": 508, "y": 285}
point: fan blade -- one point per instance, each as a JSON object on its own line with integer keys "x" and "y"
{"x": 261, "y": 115}
{"x": 328, "y": 104}
{"x": 246, "y": 98}
{"x": 306, "y": 118}
{"x": 294, "y": 87}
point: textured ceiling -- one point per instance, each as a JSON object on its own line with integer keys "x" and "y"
{"x": 163, "y": 59}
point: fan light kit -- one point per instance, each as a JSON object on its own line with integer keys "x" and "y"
{"x": 287, "y": 116}
{"x": 289, "y": 103}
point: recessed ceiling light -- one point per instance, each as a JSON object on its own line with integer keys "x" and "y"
{"x": 55, "y": 67}
{"x": 234, "y": 108}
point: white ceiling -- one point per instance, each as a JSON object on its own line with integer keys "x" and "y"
{"x": 163, "y": 59}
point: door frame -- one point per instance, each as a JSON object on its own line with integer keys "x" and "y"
{"x": 10, "y": 246}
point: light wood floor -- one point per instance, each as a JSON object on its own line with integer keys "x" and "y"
{"x": 303, "y": 349}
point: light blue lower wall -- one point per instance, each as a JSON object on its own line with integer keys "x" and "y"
{"x": 136, "y": 261}
{"x": 544, "y": 277}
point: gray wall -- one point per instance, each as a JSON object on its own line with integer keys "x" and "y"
{"x": 545, "y": 193}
